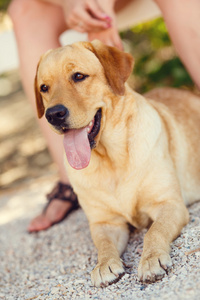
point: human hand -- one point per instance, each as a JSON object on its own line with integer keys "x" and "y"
{"x": 85, "y": 16}
{"x": 108, "y": 36}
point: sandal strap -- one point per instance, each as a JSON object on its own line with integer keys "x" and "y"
{"x": 60, "y": 191}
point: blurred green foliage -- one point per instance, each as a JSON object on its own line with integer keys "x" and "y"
{"x": 4, "y": 4}
{"x": 156, "y": 63}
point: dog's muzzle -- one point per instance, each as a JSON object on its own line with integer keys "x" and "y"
{"x": 78, "y": 142}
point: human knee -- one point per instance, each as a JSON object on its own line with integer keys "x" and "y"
{"x": 24, "y": 13}
{"x": 16, "y": 9}
{"x": 19, "y": 9}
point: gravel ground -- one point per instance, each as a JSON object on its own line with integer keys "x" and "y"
{"x": 56, "y": 264}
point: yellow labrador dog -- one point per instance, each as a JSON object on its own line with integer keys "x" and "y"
{"x": 130, "y": 159}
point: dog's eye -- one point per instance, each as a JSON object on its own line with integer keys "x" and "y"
{"x": 79, "y": 77}
{"x": 44, "y": 88}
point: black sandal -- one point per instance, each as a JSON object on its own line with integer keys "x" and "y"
{"x": 63, "y": 192}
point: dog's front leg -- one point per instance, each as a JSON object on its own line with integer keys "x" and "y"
{"x": 169, "y": 219}
{"x": 110, "y": 241}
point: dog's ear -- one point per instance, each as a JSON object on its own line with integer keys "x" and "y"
{"x": 39, "y": 101}
{"x": 117, "y": 65}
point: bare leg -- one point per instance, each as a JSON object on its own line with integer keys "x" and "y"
{"x": 182, "y": 20}
{"x": 37, "y": 27}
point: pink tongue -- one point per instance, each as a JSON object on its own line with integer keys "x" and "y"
{"x": 77, "y": 148}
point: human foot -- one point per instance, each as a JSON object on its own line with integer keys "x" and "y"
{"x": 62, "y": 201}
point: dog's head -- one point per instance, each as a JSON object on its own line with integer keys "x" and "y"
{"x": 71, "y": 86}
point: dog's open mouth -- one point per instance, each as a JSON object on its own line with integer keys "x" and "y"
{"x": 79, "y": 142}
{"x": 94, "y": 129}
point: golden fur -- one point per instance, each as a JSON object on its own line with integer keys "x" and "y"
{"x": 145, "y": 168}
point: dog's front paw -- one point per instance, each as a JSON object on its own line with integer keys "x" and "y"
{"x": 154, "y": 266}
{"x": 107, "y": 272}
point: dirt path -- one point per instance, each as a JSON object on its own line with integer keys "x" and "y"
{"x": 56, "y": 264}
{"x": 23, "y": 155}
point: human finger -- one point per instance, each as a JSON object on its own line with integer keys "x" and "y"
{"x": 87, "y": 21}
{"x": 96, "y": 11}
{"x": 109, "y": 37}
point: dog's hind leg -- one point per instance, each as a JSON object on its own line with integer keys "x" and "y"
{"x": 110, "y": 241}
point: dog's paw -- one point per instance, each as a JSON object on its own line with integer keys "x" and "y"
{"x": 107, "y": 272}
{"x": 154, "y": 266}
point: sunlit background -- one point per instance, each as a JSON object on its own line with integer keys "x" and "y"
{"x": 23, "y": 152}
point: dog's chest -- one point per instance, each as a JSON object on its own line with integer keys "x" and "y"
{"x": 111, "y": 197}
{"x": 126, "y": 204}
{"x": 106, "y": 192}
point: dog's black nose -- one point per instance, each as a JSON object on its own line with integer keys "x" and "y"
{"x": 57, "y": 115}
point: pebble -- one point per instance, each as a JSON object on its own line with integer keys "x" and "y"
{"x": 54, "y": 290}
{"x": 174, "y": 277}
